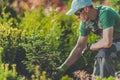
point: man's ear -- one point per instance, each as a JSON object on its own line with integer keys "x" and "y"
{"x": 86, "y": 9}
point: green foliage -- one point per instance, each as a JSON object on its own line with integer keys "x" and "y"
{"x": 109, "y": 78}
{"x": 1, "y": 52}
{"x": 66, "y": 78}
{"x": 8, "y": 16}
{"x": 10, "y": 36}
{"x": 49, "y": 38}
{"x": 115, "y": 4}
{"x": 9, "y": 41}
{"x": 41, "y": 38}
{"x": 39, "y": 51}
{"x": 6, "y": 74}
{"x": 5, "y": 2}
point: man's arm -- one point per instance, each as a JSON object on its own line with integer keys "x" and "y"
{"x": 72, "y": 58}
{"x": 106, "y": 40}
{"x": 76, "y": 52}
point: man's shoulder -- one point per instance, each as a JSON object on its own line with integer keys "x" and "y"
{"x": 105, "y": 9}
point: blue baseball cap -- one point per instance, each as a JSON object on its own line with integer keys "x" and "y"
{"x": 78, "y": 4}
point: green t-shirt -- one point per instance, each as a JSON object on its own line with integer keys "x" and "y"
{"x": 107, "y": 18}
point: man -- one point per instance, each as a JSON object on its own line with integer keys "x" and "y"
{"x": 104, "y": 22}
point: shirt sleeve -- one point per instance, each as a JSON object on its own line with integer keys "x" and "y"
{"x": 83, "y": 29}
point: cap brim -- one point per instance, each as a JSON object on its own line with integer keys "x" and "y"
{"x": 71, "y": 11}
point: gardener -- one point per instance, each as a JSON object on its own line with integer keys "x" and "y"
{"x": 102, "y": 21}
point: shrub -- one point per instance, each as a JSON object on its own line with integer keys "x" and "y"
{"x": 6, "y": 74}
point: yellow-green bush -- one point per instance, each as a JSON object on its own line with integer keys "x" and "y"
{"x": 6, "y": 74}
{"x": 42, "y": 75}
{"x": 11, "y": 36}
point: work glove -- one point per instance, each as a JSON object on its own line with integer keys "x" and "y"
{"x": 57, "y": 75}
{"x": 86, "y": 49}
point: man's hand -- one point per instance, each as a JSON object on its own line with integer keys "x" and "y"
{"x": 59, "y": 72}
{"x": 57, "y": 75}
{"x": 86, "y": 49}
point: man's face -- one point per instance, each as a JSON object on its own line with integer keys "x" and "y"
{"x": 81, "y": 14}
